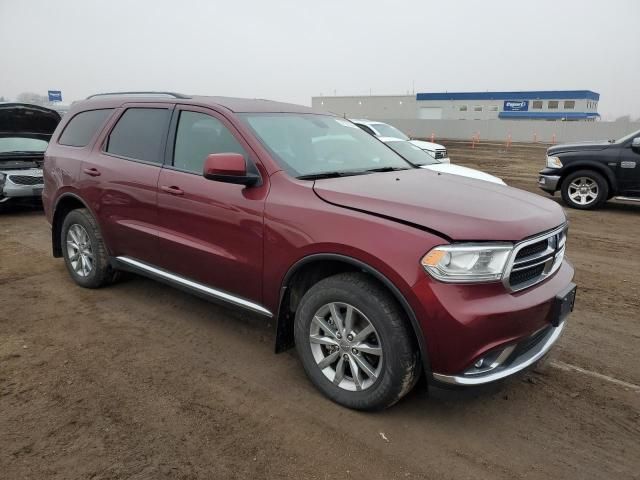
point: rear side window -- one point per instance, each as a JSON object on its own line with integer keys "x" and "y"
{"x": 81, "y": 129}
{"x": 139, "y": 134}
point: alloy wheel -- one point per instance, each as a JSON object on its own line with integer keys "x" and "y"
{"x": 346, "y": 346}
{"x": 79, "y": 250}
{"x": 583, "y": 190}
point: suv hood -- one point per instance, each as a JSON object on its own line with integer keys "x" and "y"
{"x": 29, "y": 121}
{"x": 452, "y": 206}
{"x": 576, "y": 147}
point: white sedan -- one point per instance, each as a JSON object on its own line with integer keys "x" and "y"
{"x": 384, "y": 130}
{"x": 420, "y": 158}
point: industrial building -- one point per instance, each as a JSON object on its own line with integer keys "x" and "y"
{"x": 566, "y": 105}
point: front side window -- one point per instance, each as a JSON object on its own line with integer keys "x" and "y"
{"x": 81, "y": 129}
{"x": 388, "y": 131}
{"x": 552, "y": 105}
{"x": 139, "y": 134}
{"x": 306, "y": 145}
{"x": 197, "y": 136}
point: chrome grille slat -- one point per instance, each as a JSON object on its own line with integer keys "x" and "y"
{"x": 535, "y": 259}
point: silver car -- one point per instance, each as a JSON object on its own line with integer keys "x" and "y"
{"x": 25, "y": 131}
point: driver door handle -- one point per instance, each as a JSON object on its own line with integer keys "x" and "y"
{"x": 173, "y": 190}
{"x": 93, "y": 172}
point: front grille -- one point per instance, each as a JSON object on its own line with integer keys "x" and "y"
{"x": 533, "y": 249}
{"x": 536, "y": 259}
{"x": 25, "y": 180}
{"x": 441, "y": 154}
{"x": 522, "y": 276}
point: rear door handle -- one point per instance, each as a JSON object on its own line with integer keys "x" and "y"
{"x": 173, "y": 190}
{"x": 93, "y": 172}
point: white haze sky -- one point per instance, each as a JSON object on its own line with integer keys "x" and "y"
{"x": 292, "y": 50}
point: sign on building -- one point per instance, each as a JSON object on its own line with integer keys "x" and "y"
{"x": 55, "y": 95}
{"x": 516, "y": 105}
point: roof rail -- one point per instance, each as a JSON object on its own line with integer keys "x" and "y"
{"x": 168, "y": 94}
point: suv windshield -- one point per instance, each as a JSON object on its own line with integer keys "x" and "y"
{"x": 10, "y": 145}
{"x": 389, "y": 131}
{"x": 308, "y": 145}
{"x": 413, "y": 154}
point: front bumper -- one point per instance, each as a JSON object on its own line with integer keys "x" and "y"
{"x": 508, "y": 330}
{"x": 21, "y": 183}
{"x": 509, "y": 360}
{"x": 548, "y": 183}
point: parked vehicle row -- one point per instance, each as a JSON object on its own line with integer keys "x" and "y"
{"x": 376, "y": 270}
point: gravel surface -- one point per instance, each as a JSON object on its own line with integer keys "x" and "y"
{"x": 142, "y": 381}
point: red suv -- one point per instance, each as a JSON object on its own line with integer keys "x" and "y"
{"x": 375, "y": 270}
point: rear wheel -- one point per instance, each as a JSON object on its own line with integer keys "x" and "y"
{"x": 85, "y": 254}
{"x": 354, "y": 342}
{"x": 585, "y": 190}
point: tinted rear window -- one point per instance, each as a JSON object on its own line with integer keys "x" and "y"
{"x": 81, "y": 129}
{"x": 139, "y": 134}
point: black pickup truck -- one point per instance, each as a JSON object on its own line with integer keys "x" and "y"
{"x": 589, "y": 174}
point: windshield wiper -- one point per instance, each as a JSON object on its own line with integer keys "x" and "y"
{"x": 386, "y": 169}
{"x": 335, "y": 174}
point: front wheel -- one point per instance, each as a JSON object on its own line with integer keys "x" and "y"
{"x": 585, "y": 190}
{"x": 354, "y": 342}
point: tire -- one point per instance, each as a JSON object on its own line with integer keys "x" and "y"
{"x": 594, "y": 193}
{"x": 85, "y": 230}
{"x": 395, "y": 366}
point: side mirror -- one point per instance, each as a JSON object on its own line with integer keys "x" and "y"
{"x": 635, "y": 144}
{"x": 229, "y": 168}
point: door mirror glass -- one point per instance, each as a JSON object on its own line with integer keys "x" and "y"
{"x": 228, "y": 167}
{"x": 635, "y": 144}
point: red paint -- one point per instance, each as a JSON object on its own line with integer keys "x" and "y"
{"x": 225, "y": 164}
{"x": 244, "y": 240}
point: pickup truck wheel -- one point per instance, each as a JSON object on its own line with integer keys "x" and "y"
{"x": 354, "y": 342}
{"x": 84, "y": 252}
{"x": 585, "y": 190}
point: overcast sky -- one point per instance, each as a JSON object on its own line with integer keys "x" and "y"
{"x": 292, "y": 50}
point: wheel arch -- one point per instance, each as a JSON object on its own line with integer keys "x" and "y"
{"x": 590, "y": 165}
{"x": 66, "y": 203}
{"x": 313, "y": 268}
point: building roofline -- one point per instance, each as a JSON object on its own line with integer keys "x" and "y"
{"x": 519, "y": 95}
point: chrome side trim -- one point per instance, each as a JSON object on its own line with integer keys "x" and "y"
{"x": 520, "y": 363}
{"x": 190, "y": 284}
{"x": 628, "y": 199}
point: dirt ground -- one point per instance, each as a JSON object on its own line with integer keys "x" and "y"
{"x": 142, "y": 381}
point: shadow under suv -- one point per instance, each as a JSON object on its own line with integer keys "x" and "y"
{"x": 375, "y": 270}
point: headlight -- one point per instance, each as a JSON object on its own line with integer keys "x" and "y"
{"x": 433, "y": 154}
{"x": 467, "y": 263}
{"x": 554, "y": 162}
